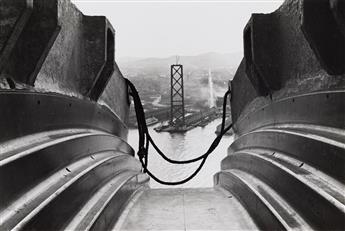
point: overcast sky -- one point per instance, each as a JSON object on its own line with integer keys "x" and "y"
{"x": 165, "y": 28}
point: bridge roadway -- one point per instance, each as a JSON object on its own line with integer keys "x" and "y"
{"x": 185, "y": 209}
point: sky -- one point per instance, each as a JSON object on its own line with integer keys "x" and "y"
{"x": 164, "y": 28}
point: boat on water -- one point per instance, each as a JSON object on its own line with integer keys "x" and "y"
{"x": 65, "y": 163}
{"x": 173, "y": 129}
{"x": 151, "y": 121}
{"x": 161, "y": 127}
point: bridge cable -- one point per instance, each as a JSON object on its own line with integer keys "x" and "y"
{"x": 145, "y": 139}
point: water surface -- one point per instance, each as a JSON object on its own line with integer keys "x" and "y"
{"x": 181, "y": 147}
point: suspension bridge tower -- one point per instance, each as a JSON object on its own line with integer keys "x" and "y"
{"x": 177, "y": 113}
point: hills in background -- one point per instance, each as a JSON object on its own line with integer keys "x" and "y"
{"x": 152, "y": 76}
{"x": 160, "y": 66}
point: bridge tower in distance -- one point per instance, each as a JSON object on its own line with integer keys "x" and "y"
{"x": 177, "y": 113}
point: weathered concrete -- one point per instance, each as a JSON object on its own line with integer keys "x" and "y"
{"x": 32, "y": 36}
{"x": 51, "y": 46}
{"x": 242, "y": 91}
{"x": 64, "y": 162}
{"x": 10, "y": 13}
{"x": 329, "y": 47}
{"x": 286, "y": 165}
{"x": 79, "y": 54}
{"x": 285, "y": 56}
{"x": 187, "y": 209}
{"x": 115, "y": 95}
{"x": 288, "y": 161}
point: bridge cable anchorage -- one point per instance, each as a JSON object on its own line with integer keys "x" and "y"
{"x": 145, "y": 139}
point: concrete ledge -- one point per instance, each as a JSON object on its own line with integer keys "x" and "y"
{"x": 51, "y": 46}
{"x": 287, "y": 53}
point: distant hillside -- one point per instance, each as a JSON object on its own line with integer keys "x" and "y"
{"x": 211, "y": 60}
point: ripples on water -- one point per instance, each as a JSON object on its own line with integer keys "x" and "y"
{"x": 181, "y": 147}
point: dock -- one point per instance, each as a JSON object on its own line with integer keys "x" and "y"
{"x": 200, "y": 119}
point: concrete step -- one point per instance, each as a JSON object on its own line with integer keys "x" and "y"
{"x": 39, "y": 162}
{"x": 322, "y": 132}
{"x": 106, "y": 201}
{"x": 320, "y": 152}
{"x": 29, "y": 112}
{"x": 319, "y": 181}
{"x": 81, "y": 185}
{"x": 294, "y": 147}
{"x": 18, "y": 148}
{"x": 75, "y": 177}
{"x": 28, "y": 204}
{"x": 318, "y": 203}
{"x": 186, "y": 209}
{"x": 268, "y": 208}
